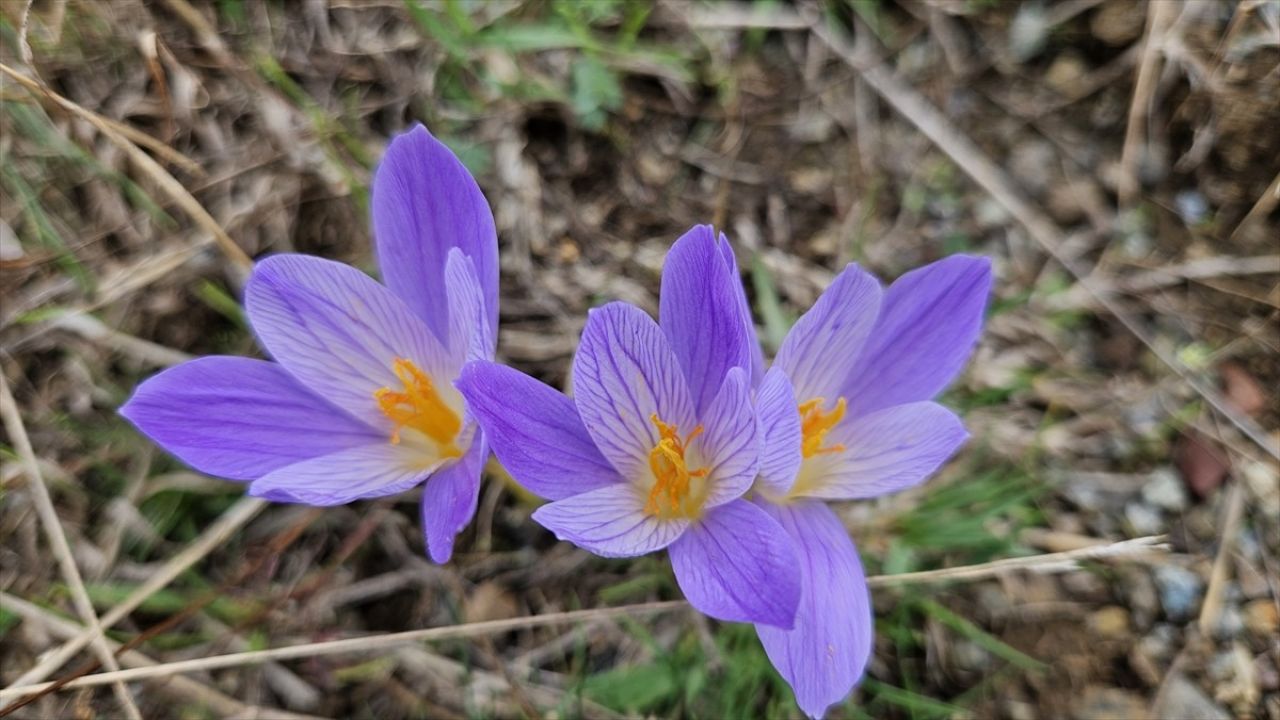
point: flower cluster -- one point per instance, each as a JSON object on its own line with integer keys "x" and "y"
{"x": 676, "y": 436}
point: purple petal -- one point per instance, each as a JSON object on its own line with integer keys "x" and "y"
{"x": 425, "y": 203}
{"x": 367, "y": 471}
{"x": 929, "y": 322}
{"x": 449, "y": 499}
{"x": 826, "y": 341}
{"x": 535, "y": 431}
{"x": 701, "y": 314}
{"x": 887, "y": 451}
{"x": 780, "y": 433}
{"x": 610, "y": 522}
{"x": 470, "y": 337}
{"x": 736, "y": 564}
{"x": 744, "y": 312}
{"x": 623, "y": 374}
{"x": 239, "y": 418}
{"x": 824, "y": 655}
{"x": 730, "y": 444}
{"x": 339, "y": 332}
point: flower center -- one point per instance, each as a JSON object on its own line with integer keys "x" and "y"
{"x": 815, "y": 423}
{"x": 419, "y": 408}
{"x": 671, "y": 491}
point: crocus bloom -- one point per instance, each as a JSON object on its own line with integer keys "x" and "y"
{"x": 359, "y": 402}
{"x": 846, "y": 414}
{"x": 658, "y": 444}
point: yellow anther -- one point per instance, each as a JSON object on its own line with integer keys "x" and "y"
{"x": 671, "y": 474}
{"x": 419, "y": 408}
{"x": 815, "y": 423}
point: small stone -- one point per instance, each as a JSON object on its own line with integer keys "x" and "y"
{"x": 1118, "y": 22}
{"x": 1191, "y": 206}
{"x": 1180, "y": 591}
{"x": 1020, "y": 710}
{"x": 1264, "y": 481}
{"x": 1108, "y": 703}
{"x": 1261, "y": 618}
{"x": 1229, "y": 623}
{"x": 1264, "y": 668}
{"x": 1066, "y": 74}
{"x": 1184, "y": 699}
{"x": 1143, "y": 519}
{"x": 1165, "y": 490}
{"x": 1237, "y": 682}
{"x": 1110, "y": 622}
{"x": 970, "y": 656}
{"x": 1139, "y": 592}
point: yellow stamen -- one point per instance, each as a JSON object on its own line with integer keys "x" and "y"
{"x": 815, "y": 423}
{"x": 671, "y": 474}
{"x": 419, "y": 408}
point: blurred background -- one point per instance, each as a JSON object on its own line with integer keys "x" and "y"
{"x": 1117, "y": 159}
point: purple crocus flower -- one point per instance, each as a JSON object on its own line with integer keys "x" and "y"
{"x": 846, "y": 414}
{"x": 659, "y": 442}
{"x": 359, "y": 402}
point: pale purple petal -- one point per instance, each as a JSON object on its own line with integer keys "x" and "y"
{"x": 822, "y": 347}
{"x": 744, "y": 312}
{"x": 824, "y": 655}
{"x": 701, "y": 314}
{"x": 624, "y": 373}
{"x": 610, "y": 522}
{"x": 470, "y": 337}
{"x": 535, "y": 431}
{"x": 730, "y": 443}
{"x": 449, "y": 499}
{"x": 780, "y": 432}
{"x": 339, "y": 332}
{"x": 367, "y": 471}
{"x": 929, "y": 322}
{"x": 737, "y": 564}
{"x": 239, "y": 418}
{"x": 886, "y": 451}
{"x": 425, "y": 203}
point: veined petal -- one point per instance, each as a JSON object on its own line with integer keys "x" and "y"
{"x": 826, "y": 340}
{"x": 825, "y": 654}
{"x": 623, "y": 373}
{"x": 744, "y": 312}
{"x": 929, "y": 322}
{"x": 701, "y": 314}
{"x": 780, "y": 432}
{"x": 610, "y": 522}
{"x": 535, "y": 431}
{"x": 889, "y": 450}
{"x": 730, "y": 445}
{"x": 239, "y": 418}
{"x": 470, "y": 337}
{"x": 338, "y": 331}
{"x": 358, "y": 473}
{"x": 425, "y": 203}
{"x": 737, "y": 564}
{"x": 449, "y": 499}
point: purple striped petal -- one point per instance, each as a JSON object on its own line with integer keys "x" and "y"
{"x": 730, "y": 444}
{"x": 425, "y": 203}
{"x": 449, "y": 499}
{"x": 825, "y": 654}
{"x": 338, "y": 331}
{"x": 470, "y": 337}
{"x": 736, "y": 564}
{"x": 780, "y": 433}
{"x": 367, "y": 471}
{"x": 929, "y": 322}
{"x": 624, "y": 373}
{"x": 239, "y": 418}
{"x": 744, "y": 312}
{"x": 609, "y": 522}
{"x": 826, "y": 341}
{"x": 701, "y": 314}
{"x": 535, "y": 431}
{"x": 887, "y": 451}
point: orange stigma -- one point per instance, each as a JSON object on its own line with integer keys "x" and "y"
{"x": 815, "y": 423}
{"x": 419, "y": 408}
{"x": 671, "y": 475}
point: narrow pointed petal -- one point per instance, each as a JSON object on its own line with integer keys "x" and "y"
{"x": 449, "y": 500}
{"x": 888, "y": 451}
{"x": 425, "y": 203}
{"x": 737, "y": 564}
{"x": 827, "y": 340}
{"x": 338, "y": 331}
{"x": 623, "y": 373}
{"x": 240, "y": 418}
{"x": 744, "y": 312}
{"x": 824, "y": 655}
{"x": 929, "y": 323}
{"x": 780, "y": 432}
{"x": 535, "y": 431}
{"x": 609, "y": 522}
{"x": 367, "y": 471}
{"x": 701, "y": 313}
{"x": 730, "y": 445}
{"x": 470, "y": 337}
